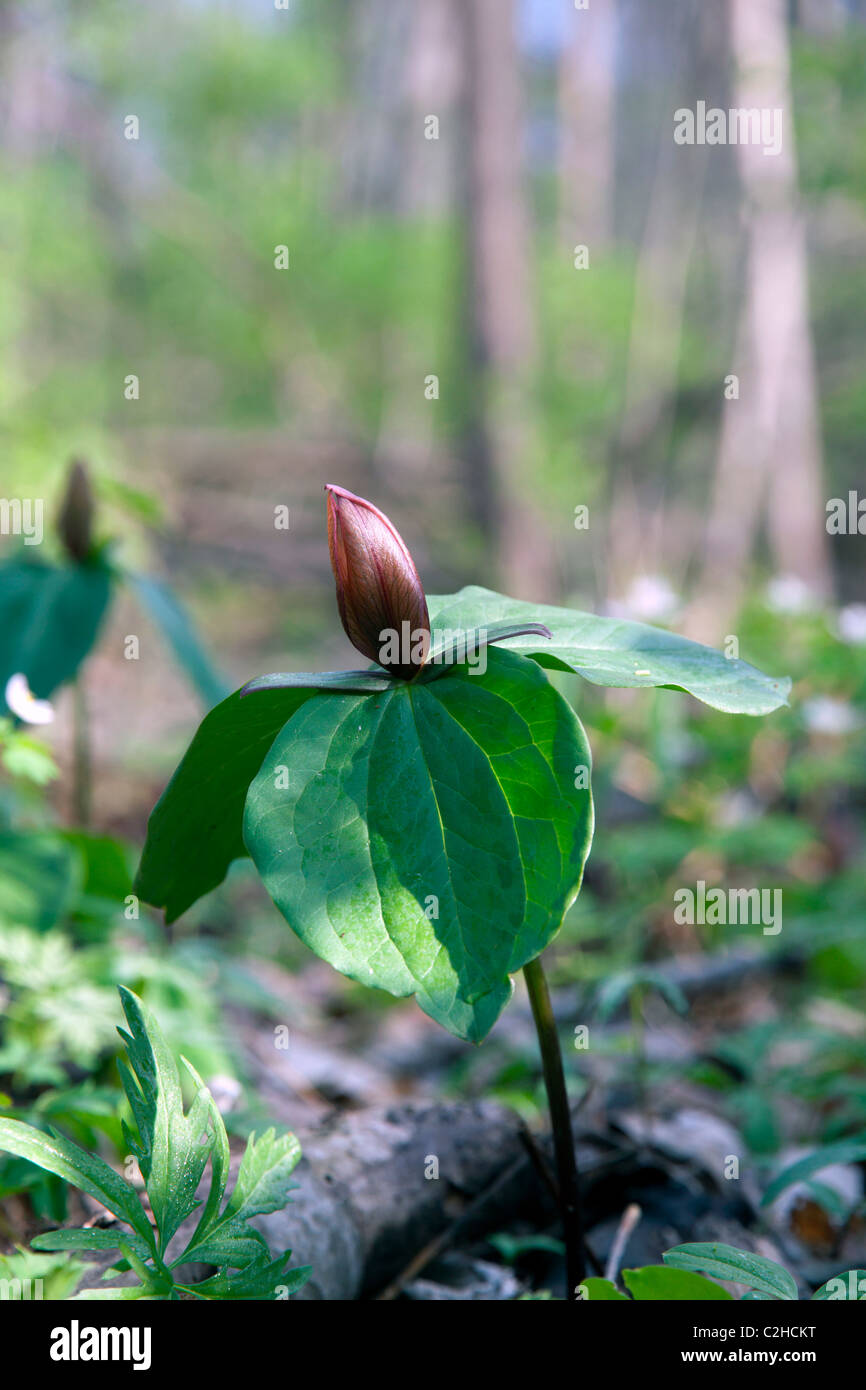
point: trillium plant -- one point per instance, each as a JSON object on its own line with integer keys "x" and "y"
{"x": 423, "y": 823}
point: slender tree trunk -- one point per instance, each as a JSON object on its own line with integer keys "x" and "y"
{"x": 426, "y": 140}
{"x": 639, "y": 535}
{"x": 770, "y": 446}
{"x": 586, "y": 91}
{"x": 502, "y": 330}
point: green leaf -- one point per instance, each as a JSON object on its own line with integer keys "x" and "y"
{"x": 613, "y": 652}
{"x": 124, "y": 1294}
{"x": 602, "y": 1291}
{"x": 194, "y": 831}
{"x": 174, "y": 1147}
{"x": 347, "y": 681}
{"x": 85, "y": 1171}
{"x": 371, "y": 815}
{"x": 449, "y": 649}
{"x": 90, "y": 1238}
{"x": 220, "y": 1159}
{"x": 53, "y": 1278}
{"x": 849, "y": 1286}
{"x": 617, "y": 988}
{"x": 846, "y": 1151}
{"x": 263, "y": 1179}
{"x": 512, "y": 1247}
{"x": 266, "y": 1279}
{"x": 663, "y": 1284}
{"x": 231, "y": 1243}
{"x": 726, "y": 1262}
{"x": 168, "y": 613}
{"x": 50, "y": 617}
{"x": 40, "y": 876}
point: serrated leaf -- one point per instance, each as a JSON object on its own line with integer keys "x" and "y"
{"x": 268, "y": 1279}
{"x": 742, "y": 1266}
{"x": 175, "y": 1146}
{"x": 219, "y": 1157}
{"x": 85, "y": 1171}
{"x": 845, "y": 1151}
{"x": 231, "y": 1243}
{"x": 195, "y": 829}
{"x": 614, "y": 652}
{"x": 372, "y": 814}
{"x": 663, "y": 1284}
{"x": 263, "y": 1184}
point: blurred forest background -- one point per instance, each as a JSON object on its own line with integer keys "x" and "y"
{"x": 510, "y": 294}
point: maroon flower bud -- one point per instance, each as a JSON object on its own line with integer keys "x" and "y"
{"x": 379, "y": 595}
{"x": 75, "y": 519}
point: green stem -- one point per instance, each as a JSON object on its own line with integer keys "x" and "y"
{"x": 81, "y": 780}
{"x": 560, "y": 1116}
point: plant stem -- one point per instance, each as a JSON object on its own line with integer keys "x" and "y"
{"x": 81, "y": 781}
{"x": 560, "y": 1116}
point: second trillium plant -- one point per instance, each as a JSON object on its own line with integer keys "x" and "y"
{"x": 423, "y": 823}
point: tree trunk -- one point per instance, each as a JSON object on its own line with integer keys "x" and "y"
{"x": 501, "y": 433}
{"x": 770, "y": 447}
{"x": 586, "y": 126}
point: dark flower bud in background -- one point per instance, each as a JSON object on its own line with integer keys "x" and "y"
{"x": 75, "y": 519}
{"x": 379, "y": 594}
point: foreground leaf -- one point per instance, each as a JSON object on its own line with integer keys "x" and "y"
{"x": 429, "y": 839}
{"x": 173, "y": 1147}
{"x": 195, "y": 829}
{"x": 263, "y": 1183}
{"x": 741, "y": 1266}
{"x": 85, "y": 1171}
{"x": 602, "y": 1291}
{"x": 614, "y": 652}
{"x": 663, "y": 1284}
{"x": 91, "y": 1238}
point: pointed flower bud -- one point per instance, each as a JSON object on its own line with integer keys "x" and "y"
{"x": 75, "y": 519}
{"x": 379, "y": 595}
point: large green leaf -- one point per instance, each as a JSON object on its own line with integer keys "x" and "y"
{"x": 86, "y": 1171}
{"x": 49, "y": 619}
{"x": 371, "y": 814}
{"x": 659, "y": 1283}
{"x": 194, "y": 831}
{"x": 739, "y": 1266}
{"x": 613, "y": 652}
